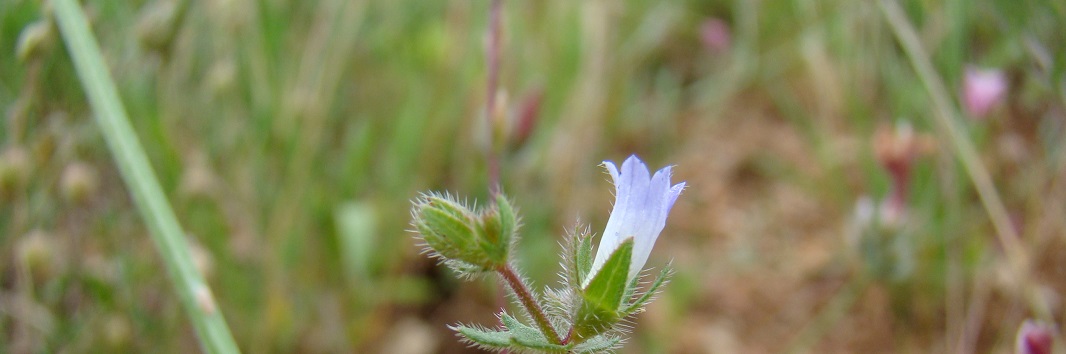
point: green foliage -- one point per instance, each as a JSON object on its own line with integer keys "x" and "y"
{"x": 263, "y": 118}
{"x": 449, "y": 228}
{"x": 498, "y": 227}
{"x": 583, "y": 257}
{"x": 529, "y": 337}
{"x": 483, "y": 338}
{"x": 455, "y": 232}
{"x": 470, "y": 242}
{"x": 604, "y": 294}
{"x": 642, "y": 300}
{"x": 170, "y": 241}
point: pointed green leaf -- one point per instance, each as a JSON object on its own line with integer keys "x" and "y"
{"x": 508, "y": 220}
{"x": 517, "y": 327}
{"x": 608, "y": 286}
{"x": 544, "y": 346}
{"x": 464, "y": 270}
{"x": 497, "y": 230}
{"x": 583, "y": 258}
{"x": 645, "y": 298}
{"x": 483, "y": 337}
{"x": 603, "y": 296}
{"x": 529, "y": 337}
{"x": 598, "y": 344}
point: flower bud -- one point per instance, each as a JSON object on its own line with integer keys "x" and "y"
{"x": 36, "y": 251}
{"x": 896, "y": 150}
{"x": 155, "y": 26}
{"x": 14, "y": 170}
{"x": 117, "y": 332}
{"x": 526, "y": 117}
{"x": 982, "y": 90}
{"x": 1034, "y": 338}
{"x": 198, "y": 180}
{"x": 458, "y": 233}
{"x": 447, "y": 227}
{"x": 34, "y": 40}
{"x": 500, "y": 123}
{"x": 79, "y": 182}
{"x": 715, "y": 35}
{"x": 221, "y": 78}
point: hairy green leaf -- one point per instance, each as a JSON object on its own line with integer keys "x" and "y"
{"x": 603, "y": 296}
{"x": 608, "y": 286}
{"x": 584, "y": 256}
{"x": 529, "y": 337}
{"x": 645, "y": 298}
{"x": 598, "y": 344}
{"x": 483, "y": 337}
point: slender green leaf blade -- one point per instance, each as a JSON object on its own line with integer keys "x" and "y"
{"x": 485, "y": 338}
{"x": 529, "y": 337}
{"x": 584, "y": 257}
{"x": 598, "y": 344}
{"x": 647, "y": 296}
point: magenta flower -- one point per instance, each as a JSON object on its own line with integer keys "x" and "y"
{"x": 715, "y": 35}
{"x": 982, "y": 90}
{"x": 1034, "y": 338}
{"x": 642, "y": 203}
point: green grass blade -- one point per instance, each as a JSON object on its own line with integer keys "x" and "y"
{"x": 136, "y": 171}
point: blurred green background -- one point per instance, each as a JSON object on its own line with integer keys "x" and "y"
{"x": 290, "y": 137}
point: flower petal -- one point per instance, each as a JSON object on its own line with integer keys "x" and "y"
{"x": 642, "y": 203}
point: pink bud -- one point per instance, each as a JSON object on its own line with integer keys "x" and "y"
{"x": 982, "y": 89}
{"x": 897, "y": 149}
{"x": 526, "y": 117}
{"x": 1034, "y": 338}
{"x": 715, "y": 35}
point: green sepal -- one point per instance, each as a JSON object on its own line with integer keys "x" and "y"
{"x": 498, "y": 226}
{"x": 602, "y": 298}
{"x": 598, "y": 344}
{"x": 577, "y": 258}
{"x": 638, "y": 304}
{"x": 583, "y": 257}
{"x": 608, "y": 286}
{"x": 448, "y": 228}
{"x": 529, "y": 337}
{"x": 464, "y": 270}
{"x": 487, "y": 339}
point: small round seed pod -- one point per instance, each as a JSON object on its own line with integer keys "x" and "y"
{"x": 79, "y": 182}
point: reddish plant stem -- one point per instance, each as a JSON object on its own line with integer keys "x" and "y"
{"x": 526, "y": 298}
{"x": 492, "y": 57}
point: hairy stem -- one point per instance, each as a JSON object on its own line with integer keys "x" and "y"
{"x": 526, "y": 298}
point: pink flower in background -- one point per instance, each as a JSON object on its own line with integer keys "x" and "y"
{"x": 1034, "y": 338}
{"x": 982, "y": 90}
{"x": 715, "y": 35}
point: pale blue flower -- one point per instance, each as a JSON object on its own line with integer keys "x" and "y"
{"x": 642, "y": 203}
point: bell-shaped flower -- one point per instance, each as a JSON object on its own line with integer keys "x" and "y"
{"x": 642, "y": 202}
